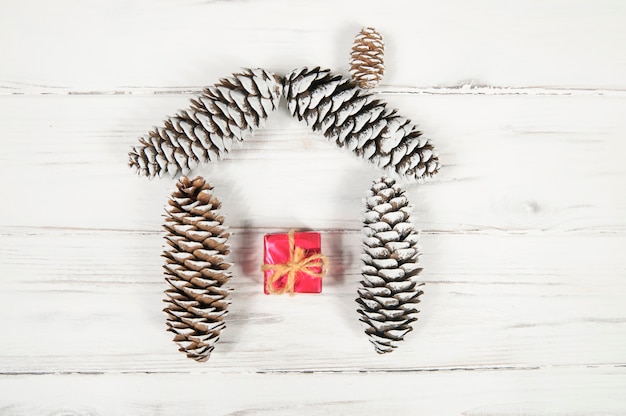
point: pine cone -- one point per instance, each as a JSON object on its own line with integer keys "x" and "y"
{"x": 206, "y": 131}
{"x": 353, "y": 118}
{"x": 388, "y": 292}
{"x": 366, "y": 60}
{"x": 195, "y": 268}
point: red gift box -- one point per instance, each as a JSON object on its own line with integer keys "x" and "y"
{"x": 296, "y": 260}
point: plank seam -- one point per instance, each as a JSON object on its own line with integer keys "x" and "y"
{"x": 325, "y": 371}
{"x": 468, "y": 88}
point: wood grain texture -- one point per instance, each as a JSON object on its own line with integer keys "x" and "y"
{"x": 116, "y": 44}
{"x": 512, "y": 163}
{"x": 522, "y": 309}
{"x": 474, "y": 393}
{"x": 523, "y": 230}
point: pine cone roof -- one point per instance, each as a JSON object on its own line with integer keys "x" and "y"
{"x": 355, "y": 119}
{"x": 205, "y": 131}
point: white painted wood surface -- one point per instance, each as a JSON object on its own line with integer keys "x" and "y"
{"x": 524, "y": 228}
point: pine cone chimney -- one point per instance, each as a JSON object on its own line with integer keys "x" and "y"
{"x": 366, "y": 60}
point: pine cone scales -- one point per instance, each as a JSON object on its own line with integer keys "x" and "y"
{"x": 205, "y": 132}
{"x": 389, "y": 293}
{"x": 366, "y": 60}
{"x": 353, "y": 118}
{"x": 195, "y": 268}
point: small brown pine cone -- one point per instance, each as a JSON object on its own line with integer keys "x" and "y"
{"x": 195, "y": 268}
{"x": 389, "y": 291}
{"x": 367, "y": 65}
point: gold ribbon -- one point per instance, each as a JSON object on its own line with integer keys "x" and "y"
{"x": 298, "y": 262}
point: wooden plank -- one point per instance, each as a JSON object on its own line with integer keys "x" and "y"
{"x": 91, "y": 301}
{"x": 529, "y": 163}
{"x": 553, "y": 391}
{"x": 124, "y": 45}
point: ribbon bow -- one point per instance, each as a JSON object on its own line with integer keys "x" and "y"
{"x": 298, "y": 262}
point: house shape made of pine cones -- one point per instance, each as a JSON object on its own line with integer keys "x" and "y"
{"x": 347, "y": 115}
{"x": 329, "y": 103}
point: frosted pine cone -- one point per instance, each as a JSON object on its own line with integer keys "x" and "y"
{"x": 353, "y": 118}
{"x": 366, "y": 60}
{"x": 205, "y": 131}
{"x": 195, "y": 268}
{"x": 389, "y": 292}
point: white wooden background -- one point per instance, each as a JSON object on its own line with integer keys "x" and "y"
{"x": 524, "y": 229}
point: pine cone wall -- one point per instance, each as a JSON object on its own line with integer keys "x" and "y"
{"x": 389, "y": 292}
{"x": 366, "y": 60}
{"x": 205, "y": 131}
{"x": 195, "y": 268}
{"x": 353, "y": 118}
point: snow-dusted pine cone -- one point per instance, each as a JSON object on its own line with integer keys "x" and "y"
{"x": 205, "y": 131}
{"x": 389, "y": 291}
{"x": 367, "y": 66}
{"x": 195, "y": 268}
{"x": 354, "y": 118}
